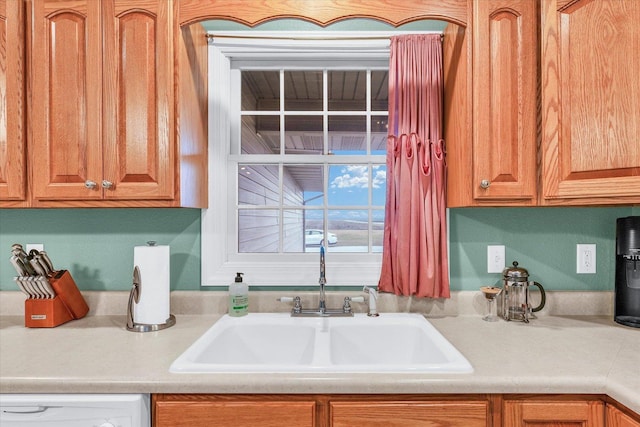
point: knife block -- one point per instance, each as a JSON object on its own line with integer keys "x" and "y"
{"x": 68, "y": 304}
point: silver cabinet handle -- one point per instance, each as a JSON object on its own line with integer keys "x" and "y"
{"x": 90, "y": 184}
{"x": 485, "y": 183}
{"x": 107, "y": 184}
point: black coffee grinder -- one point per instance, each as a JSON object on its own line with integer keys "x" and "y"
{"x": 627, "y": 308}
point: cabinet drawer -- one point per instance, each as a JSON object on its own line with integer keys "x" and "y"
{"x": 408, "y": 413}
{"x": 230, "y": 413}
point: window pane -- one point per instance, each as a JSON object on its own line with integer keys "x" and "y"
{"x": 379, "y": 132}
{"x": 348, "y": 185}
{"x": 260, "y": 90}
{"x": 380, "y": 90}
{"x": 258, "y": 230}
{"x": 347, "y": 135}
{"x": 293, "y": 230}
{"x": 303, "y": 184}
{"x": 377, "y": 227}
{"x": 314, "y": 231}
{"x": 303, "y": 135}
{"x": 351, "y": 229}
{"x": 260, "y": 135}
{"x": 303, "y": 230}
{"x": 258, "y": 185}
{"x": 347, "y": 90}
{"x": 303, "y": 90}
{"x": 378, "y": 185}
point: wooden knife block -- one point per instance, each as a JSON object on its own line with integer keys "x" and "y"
{"x": 68, "y": 304}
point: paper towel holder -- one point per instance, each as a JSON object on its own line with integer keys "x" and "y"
{"x": 134, "y": 297}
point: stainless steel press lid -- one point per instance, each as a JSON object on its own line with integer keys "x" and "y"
{"x": 515, "y": 273}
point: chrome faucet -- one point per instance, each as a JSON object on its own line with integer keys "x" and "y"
{"x": 322, "y": 310}
{"x": 322, "y": 281}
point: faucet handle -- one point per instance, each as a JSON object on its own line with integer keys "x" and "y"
{"x": 346, "y": 307}
{"x": 297, "y": 303}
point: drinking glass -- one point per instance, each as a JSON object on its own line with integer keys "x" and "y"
{"x": 490, "y": 294}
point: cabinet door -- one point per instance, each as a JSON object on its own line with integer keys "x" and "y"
{"x": 408, "y": 413}
{"x": 66, "y": 115}
{"x": 504, "y": 101}
{"x": 228, "y": 412}
{"x": 12, "y": 101}
{"x": 139, "y": 147}
{"x": 617, "y": 418}
{"x": 590, "y": 108}
{"x": 553, "y": 413}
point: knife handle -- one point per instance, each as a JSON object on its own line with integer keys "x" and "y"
{"x": 44, "y": 257}
{"x": 37, "y": 267}
{"x": 15, "y": 261}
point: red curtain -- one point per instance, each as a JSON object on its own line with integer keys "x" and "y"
{"x": 414, "y": 258}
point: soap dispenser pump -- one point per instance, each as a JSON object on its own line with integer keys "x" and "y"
{"x": 238, "y": 297}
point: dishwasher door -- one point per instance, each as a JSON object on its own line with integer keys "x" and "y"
{"x": 74, "y": 410}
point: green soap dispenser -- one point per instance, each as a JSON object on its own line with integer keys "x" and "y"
{"x": 238, "y": 297}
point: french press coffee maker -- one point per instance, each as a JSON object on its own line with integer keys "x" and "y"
{"x": 515, "y": 294}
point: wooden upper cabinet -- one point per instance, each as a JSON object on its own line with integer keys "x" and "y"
{"x": 65, "y": 152}
{"x": 322, "y": 12}
{"x": 553, "y": 413}
{"x": 12, "y": 104}
{"x": 504, "y": 102}
{"x": 139, "y": 146}
{"x": 590, "y": 107}
{"x": 102, "y": 100}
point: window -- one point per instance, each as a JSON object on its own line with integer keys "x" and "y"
{"x": 297, "y": 160}
{"x": 305, "y": 160}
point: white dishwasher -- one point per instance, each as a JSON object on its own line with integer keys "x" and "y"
{"x": 74, "y": 410}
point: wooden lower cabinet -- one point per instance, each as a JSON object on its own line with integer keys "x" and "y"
{"x": 182, "y": 410}
{"x": 553, "y": 411}
{"x": 464, "y": 410}
{"x": 619, "y": 418}
{"x": 176, "y": 410}
{"x": 403, "y": 413}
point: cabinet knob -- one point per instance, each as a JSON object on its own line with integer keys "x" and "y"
{"x": 485, "y": 183}
{"x": 107, "y": 184}
{"x": 90, "y": 184}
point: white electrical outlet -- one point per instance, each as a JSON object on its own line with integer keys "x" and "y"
{"x": 586, "y": 259}
{"x": 37, "y": 246}
{"x": 495, "y": 258}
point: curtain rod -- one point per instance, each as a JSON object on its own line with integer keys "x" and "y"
{"x": 229, "y": 36}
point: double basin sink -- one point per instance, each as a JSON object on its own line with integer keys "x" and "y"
{"x": 277, "y": 342}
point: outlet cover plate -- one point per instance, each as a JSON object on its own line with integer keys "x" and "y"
{"x": 495, "y": 258}
{"x": 586, "y": 259}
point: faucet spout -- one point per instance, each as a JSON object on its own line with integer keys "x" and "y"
{"x": 322, "y": 281}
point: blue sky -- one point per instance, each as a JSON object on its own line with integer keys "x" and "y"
{"x": 349, "y": 186}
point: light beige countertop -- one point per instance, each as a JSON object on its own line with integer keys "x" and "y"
{"x": 552, "y": 354}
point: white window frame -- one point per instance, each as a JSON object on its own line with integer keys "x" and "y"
{"x": 218, "y": 265}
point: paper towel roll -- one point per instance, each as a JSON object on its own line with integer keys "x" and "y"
{"x": 155, "y": 284}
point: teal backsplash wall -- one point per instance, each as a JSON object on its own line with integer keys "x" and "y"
{"x": 96, "y": 245}
{"x": 542, "y": 240}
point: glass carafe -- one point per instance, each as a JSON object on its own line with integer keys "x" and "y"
{"x": 515, "y": 304}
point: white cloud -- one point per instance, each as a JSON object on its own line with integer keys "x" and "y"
{"x": 379, "y": 179}
{"x": 352, "y": 176}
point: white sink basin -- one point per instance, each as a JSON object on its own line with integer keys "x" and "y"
{"x": 276, "y": 342}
